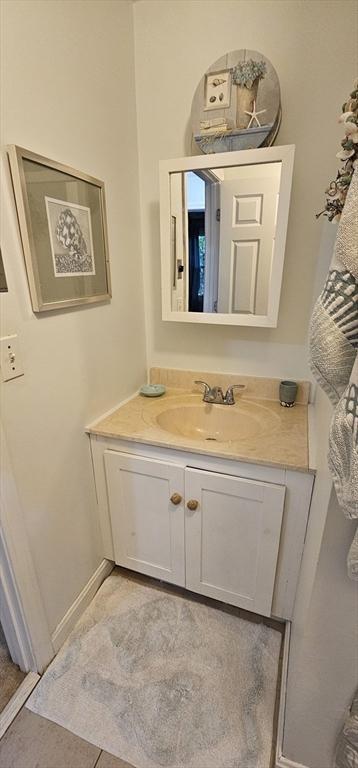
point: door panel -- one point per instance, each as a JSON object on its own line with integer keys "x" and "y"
{"x": 245, "y": 259}
{"x": 247, "y": 237}
{"x": 232, "y": 539}
{"x": 148, "y": 528}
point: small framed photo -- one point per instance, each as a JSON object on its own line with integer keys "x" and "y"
{"x": 62, "y": 220}
{"x": 217, "y": 90}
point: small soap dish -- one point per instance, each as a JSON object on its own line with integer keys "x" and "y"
{"x": 152, "y": 390}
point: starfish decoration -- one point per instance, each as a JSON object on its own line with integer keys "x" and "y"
{"x": 253, "y": 116}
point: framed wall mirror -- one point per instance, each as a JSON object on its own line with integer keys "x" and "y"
{"x": 223, "y": 232}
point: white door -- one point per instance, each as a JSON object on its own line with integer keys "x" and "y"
{"x": 147, "y": 515}
{"x": 232, "y": 538}
{"x": 179, "y": 242}
{"x": 248, "y": 212}
{"x": 212, "y": 245}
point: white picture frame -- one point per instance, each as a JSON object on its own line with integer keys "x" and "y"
{"x": 45, "y": 189}
{"x": 217, "y": 90}
{"x": 284, "y": 155}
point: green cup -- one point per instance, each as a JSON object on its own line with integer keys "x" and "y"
{"x": 288, "y": 393}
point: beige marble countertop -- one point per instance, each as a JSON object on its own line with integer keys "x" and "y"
{"x": 271, "y": 435}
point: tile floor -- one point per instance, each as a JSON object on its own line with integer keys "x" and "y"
{"x": 34, "y": 742}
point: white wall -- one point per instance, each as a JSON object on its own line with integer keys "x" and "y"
{"x": 312, "y": 46}
{"x": 323, "y": 657}
{"x": 175, "y": 42}
{"x": 323, "y": 654}
{"x": 68, "y": 93}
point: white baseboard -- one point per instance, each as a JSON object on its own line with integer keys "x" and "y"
{"x": 77, "y": 608}
{"x": 282, "y": 761}
{"x": 17, "y": 701}
{"x": 282, "y": 705}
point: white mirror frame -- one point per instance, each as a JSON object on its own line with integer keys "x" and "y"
{"x": 285, "y": 155}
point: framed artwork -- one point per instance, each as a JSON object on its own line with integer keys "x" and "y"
{"x": 62, "y": 220}
{"x": 218, "y": 89}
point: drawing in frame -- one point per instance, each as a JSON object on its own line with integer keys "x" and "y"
{"x": 217, "y": 90}
{"x": 62, "y": 219}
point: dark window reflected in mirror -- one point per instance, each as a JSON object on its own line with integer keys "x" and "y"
{"x": 3, "y": 283}
{"x": 196, "y": 240}
{"x": 196, "y": 231}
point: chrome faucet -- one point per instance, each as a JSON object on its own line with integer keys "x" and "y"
{"x": 216, "y": 396}
{"x": 229, "y": 397}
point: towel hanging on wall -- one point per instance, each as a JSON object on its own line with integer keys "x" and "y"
{"x": 343, "y": 440}
{"x": 333, "y": 359}
{"x": 334, "y": 362}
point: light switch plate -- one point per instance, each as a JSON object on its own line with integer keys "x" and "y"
{"x": 10, "y": 358}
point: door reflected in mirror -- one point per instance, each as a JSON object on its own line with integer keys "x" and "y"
{"x": 223, "y": 233}
{"x": 223, "y": 236}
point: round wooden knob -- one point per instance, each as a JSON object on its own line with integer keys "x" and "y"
{"x": 192, "y": 504}
{"x": 176, "y": 498}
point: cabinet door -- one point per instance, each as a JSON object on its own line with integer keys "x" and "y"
{"x": 232, "y": 538}
{"x": 147, "y": 527}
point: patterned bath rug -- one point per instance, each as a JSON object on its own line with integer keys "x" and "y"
{"x": 163, "y": 681}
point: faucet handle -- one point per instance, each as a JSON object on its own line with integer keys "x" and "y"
{"x": 229, "y": 397}
{"x": 205, "y": 385}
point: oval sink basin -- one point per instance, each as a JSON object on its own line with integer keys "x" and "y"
{"x": 211, "y": 422}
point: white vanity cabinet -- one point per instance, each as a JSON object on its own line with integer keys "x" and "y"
{"x": 148, "y": 528}
{"x": 240, "y": 541}
{"x": 232, "y": 538}
{"x": 216, "y": 534}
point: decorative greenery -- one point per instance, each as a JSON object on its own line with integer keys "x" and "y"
{"x": 246, "y": 72}
{"x": 337, "y": 190}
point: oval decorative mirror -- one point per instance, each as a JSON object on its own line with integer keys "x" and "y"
{"x": 237, "y": 104}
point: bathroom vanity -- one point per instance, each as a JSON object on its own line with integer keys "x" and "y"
{"x": 214, "y": 498}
